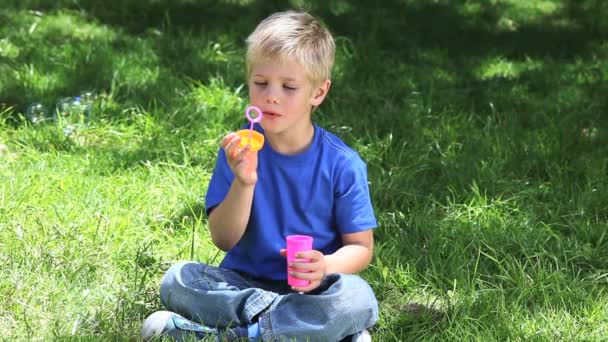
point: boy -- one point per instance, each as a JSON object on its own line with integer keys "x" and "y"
{"x": 303, "y": 181}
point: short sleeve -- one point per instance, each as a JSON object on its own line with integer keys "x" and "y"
{"x": 220, "y": 182}
{"x": 353, "y": 206}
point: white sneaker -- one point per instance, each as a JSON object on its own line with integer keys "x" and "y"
{"x": 156, "y": 324}
{"x": 362, "y": 336}
{"x": 173, "y": 325}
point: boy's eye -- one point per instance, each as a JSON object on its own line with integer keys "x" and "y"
{"x": 259, "y": 83}
{"x": 289, "y": 87}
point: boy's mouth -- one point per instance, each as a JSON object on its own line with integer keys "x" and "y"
{"x": 271, "y": 115}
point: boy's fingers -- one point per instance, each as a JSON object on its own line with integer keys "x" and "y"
{"x": 227, "y": 139}
{"x": 231, "y": 145}
{"x": 241, "y": 154}
{"x": 313, "y": 285}
{"x": 304, "y": 266}
{"x": 304, "y": 275}
{"x": 312, "y": 254}
{"x": 238, "y": 157}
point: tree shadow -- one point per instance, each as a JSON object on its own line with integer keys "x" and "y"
{"x": 382, "y": 36}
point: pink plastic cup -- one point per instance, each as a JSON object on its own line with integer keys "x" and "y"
{"x": 297, "y": 243}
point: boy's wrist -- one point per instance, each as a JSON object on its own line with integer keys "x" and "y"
{"x": 329, "y": 261}
{"x": 244, "y": 185}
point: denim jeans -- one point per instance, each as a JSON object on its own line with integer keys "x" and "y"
{"x": 216, "y": 297}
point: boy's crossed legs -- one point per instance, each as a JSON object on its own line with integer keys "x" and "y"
{"x": 343, "y": 305}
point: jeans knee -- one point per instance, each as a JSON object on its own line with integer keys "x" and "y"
{"x": 363, "y": 302}
{"x": 171, "y": 281}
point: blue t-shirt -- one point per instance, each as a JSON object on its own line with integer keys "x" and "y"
{"x": 322, "y": 192}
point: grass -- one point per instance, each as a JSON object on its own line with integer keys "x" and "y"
{"x": 483, "y": 124}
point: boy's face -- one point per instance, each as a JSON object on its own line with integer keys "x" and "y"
{"x": 285, "y": 94}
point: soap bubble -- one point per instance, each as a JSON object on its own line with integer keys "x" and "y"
{"x": 37, "y": 113}
{"x": 87, "y": 100}
{"x": 72, "y": 110}
{"x": 69, "y": 130}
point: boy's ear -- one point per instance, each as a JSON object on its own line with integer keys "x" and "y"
{"x": 319, "y": 93}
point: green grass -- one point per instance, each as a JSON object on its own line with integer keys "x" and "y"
{"x": 483, "y": 124}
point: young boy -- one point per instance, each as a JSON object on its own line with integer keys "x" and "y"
{"x": 303, "y": 181}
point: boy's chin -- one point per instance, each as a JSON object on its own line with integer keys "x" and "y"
{"x": 268, "y": 128}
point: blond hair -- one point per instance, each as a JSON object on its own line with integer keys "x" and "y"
{"x": 295, "y": 36}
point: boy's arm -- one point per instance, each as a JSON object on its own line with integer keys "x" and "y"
{"x": 227, "y": 221}
{"x": 355, "y": 254}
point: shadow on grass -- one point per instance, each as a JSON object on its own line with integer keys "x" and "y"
{"x": 396, "y": 31}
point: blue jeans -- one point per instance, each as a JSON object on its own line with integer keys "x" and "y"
{"x": 216, "y": 297}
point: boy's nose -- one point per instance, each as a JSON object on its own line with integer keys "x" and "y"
{"x": 272, "y": 100}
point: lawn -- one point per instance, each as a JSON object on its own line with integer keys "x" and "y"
{"x": 484, "y": 125}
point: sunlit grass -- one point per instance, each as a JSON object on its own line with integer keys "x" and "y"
{"x": 503, "y": 68}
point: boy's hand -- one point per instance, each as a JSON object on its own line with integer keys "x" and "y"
{"x": 314, "y": 270}
{"x": 242, "y": 163}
